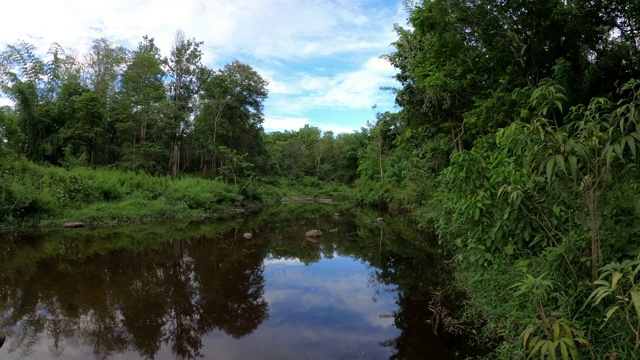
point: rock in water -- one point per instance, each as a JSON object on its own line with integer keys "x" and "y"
{"x": 247, "y": 235}
{"x": 313, "y": 233}
{"x": 2, "y": 338}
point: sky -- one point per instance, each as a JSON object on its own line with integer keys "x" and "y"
{"x": 322, "y": 58}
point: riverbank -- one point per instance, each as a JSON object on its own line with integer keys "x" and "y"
{"x": 48, "y": 196}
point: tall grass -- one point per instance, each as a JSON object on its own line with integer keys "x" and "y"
{"x": 34, "y": 194}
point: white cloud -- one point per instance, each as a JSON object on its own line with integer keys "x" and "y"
{"x": 5, "y": 102}
{"x": 286, "y": 123}
{"x": 358, "y": 89}
{"x": 337, "y": 129}
{"x": 267, "y": 29}
{"x": 292, "y": 28}
{"x": 282, "y": 262}
{"x": 296, "y": 44}
{"x": 351, "y": 292}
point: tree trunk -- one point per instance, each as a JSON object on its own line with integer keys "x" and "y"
{"x": 174, "y": 163}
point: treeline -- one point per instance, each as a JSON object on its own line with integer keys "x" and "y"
{"x": 517, "y": 140}
{"x": 145, "y": 115}
{"x": 136, "y": 109}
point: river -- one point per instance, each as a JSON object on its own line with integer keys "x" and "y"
{"x": 202, "y": 290}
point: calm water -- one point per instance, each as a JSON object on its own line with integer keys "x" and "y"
{"x": 169, "y": 291}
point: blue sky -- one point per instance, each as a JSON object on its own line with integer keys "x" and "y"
{"x": 321, "y": 57}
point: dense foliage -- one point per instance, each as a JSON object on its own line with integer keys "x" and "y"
{"x": 137, "y": 116}
{"x": 516, "y": 138}
{"x": 133, "y": 109}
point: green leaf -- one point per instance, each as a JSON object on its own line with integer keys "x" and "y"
{"x": 526, "y": 333}
{"x": 573, "y": 166}
{"x": 538, "y": 347}
{"x": 509, "y": 250}
{"x": 602, "y": 293}
{"x": 598, "y": 294}
{"x": 564, "y": 351}
{"x": 635, "y": 298}
{"x": 572, "y": 347}
{"x": 526, "y": 233}
{"x": 585, "y": 343}
{"x": 551, "y": 346}
{"x": 550, "y": 168}
{"x": 632, "y": 145}
{"x": 618, "y": 150}
{"x": 608, "y": 315}
{"x": 614, "y": 279}
{"x": 560, "y": 161}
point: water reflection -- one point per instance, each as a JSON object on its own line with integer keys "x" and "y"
{"x": 202, "y": 290}
{"x": 124, "y": 301}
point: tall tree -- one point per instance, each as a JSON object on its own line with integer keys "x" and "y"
{"x": 82, "y": 129}
{"x": 184, "y": 68}
{"x": 23, "y": 78}
{"x": 103, "y": 66}
{"x": 11, "y": 136}
{"x": 230, "y": 113}
{"x": 141, "y": 129}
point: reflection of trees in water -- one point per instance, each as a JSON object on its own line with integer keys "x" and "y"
{"x": 404, "y": 257}
{"x": 138, "y": 300}
{"x": 401, "y": 256}
{"x": 123, "y": 301}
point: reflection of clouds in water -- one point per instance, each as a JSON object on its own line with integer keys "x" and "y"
{"x": 281, "y": 262}
{"x": 321, "y": 311}
{"x": 292, "y": 342}
{"x": 340, "y": 286}
{"x": 42, "y": 350}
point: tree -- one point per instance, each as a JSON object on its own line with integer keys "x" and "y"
{"x": 103, "y": 66}
{"x": 80, "y": 116}
{"x": 11, "y": 137}
{"x": 185, "y": 70}
{"x": 141, "y": 129}
{"x": 230, "y": 113}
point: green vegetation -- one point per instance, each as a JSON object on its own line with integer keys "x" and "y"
{"x": 51, "y": 195}
{"x": 131, "y": 136}
{"x": 516, "y": 141}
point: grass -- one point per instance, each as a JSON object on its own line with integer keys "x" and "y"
{"x": 45, "y": 195}
{"x": 48, "y": 196}
{"x": 272, "y": 190}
